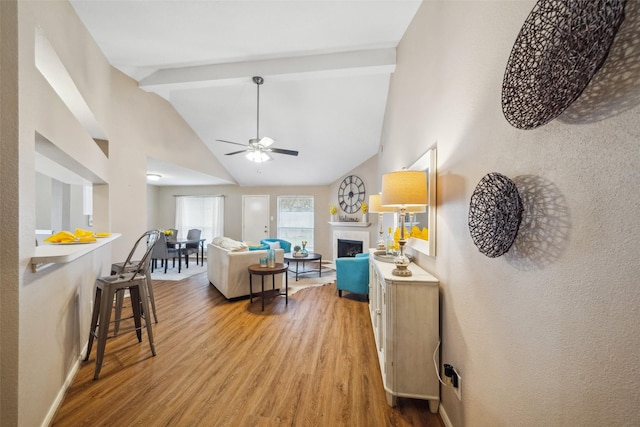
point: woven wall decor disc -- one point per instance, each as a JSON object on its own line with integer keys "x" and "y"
{"x": 560, "y": 47}
{"x": 495, "y": 212}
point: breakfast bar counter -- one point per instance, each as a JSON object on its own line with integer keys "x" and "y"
{"x": 48, "y": 254}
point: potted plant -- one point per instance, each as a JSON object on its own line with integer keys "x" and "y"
{"x": 296, "y": 250}
{"x": 365, "y": 210}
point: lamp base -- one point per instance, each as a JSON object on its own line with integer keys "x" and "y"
{"x": 381, "y": 245}
{"x": 401, "y": 270}
{"x": 402, "y": 261}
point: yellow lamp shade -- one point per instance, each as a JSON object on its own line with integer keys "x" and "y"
{"x": 375, "y": 204}
{"x": 404, "y": 189}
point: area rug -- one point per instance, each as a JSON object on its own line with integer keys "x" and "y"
{"x": 172, "y": 273}
{"x": 310, "y": 280}
{"x": 306, "y": 280}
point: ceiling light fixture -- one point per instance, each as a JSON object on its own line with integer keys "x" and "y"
{"x": 258, "y": 156}
{"x": 153, "y": 176}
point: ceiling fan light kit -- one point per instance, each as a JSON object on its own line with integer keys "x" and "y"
{"x": 258, "y": 148}
{"x": 258, "y": 156}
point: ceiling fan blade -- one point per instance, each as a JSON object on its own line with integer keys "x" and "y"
{"x": 282, "y": 151}
{"x": 265, "y": 141}
{"x": 231, "y": 142}
{"x": 236, "y": 152}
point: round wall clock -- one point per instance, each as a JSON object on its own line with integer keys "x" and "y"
{"x": 351, "y": 194}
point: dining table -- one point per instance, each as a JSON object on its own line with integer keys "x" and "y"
{"x": 182, "y": 243}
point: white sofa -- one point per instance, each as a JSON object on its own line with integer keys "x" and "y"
{"x": 227, "y": 262}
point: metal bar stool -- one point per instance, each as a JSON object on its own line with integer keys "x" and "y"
{"x": 128, "y": 267}
{"x": 106, "y": 290}
{"x": 119, "y": 267}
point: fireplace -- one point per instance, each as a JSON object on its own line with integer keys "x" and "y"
{"x": 346, "y": 234}
{"x": 349, "y": 248}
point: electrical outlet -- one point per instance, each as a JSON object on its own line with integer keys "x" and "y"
{"x": 453, "y": 379}
{"x": 458, "y": 389}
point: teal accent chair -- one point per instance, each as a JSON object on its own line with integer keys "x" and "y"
{"x": 352, "y": 274}
{"x": 286, "y": 246}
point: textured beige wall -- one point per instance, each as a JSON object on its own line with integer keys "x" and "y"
{"x": 45, "y": 315}
{"x": 9, "y": 224}
{"x": 549, "y": 333}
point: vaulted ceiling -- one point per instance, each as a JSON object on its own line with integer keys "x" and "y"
{"x": 326, "y": 67}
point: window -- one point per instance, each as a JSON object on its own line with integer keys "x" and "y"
{"x": 203, "y": 212}
{"x": 295, "y": 219}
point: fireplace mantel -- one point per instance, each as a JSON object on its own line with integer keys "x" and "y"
{"x": 350, "y": 224}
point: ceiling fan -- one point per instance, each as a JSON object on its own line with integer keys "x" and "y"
{"x": 258, "y": 148}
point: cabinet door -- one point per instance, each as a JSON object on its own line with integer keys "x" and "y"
{"x": 373, "y": 300}
{"x": 385, "y": 334}
{"x": 415, "y": 337}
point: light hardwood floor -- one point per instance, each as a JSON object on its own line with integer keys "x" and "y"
{"x": 220, "y": 363}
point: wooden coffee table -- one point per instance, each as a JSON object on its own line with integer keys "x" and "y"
{"x": 311, "y": 256}
{"x": 269, "y": 271}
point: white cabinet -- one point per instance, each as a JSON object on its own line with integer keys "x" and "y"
{"x": 405, "y": 319}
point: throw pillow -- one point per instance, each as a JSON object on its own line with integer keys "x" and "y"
{"x": 274, "y": 245}
{"x": 230, "y": 244}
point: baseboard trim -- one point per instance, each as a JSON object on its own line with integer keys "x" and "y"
{"x": 444, "y": 417}
{"x": 67, "y": 382}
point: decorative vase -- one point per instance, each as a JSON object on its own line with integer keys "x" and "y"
{"x": 365, "y": 217}
{"x": 333, "y": 217}
{"x": 304, "y": 250}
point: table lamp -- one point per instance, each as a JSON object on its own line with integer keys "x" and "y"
{"x": 401, "y": 190}
{"x": 375, "y": 206}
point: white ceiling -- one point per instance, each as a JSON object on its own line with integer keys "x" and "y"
{"x": 326, "y": 67}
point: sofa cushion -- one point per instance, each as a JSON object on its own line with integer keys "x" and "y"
{"x": 230, "y": 244}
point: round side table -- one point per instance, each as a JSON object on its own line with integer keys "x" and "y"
{"x": 269, "y": 271}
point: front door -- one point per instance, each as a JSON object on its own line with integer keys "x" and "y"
{"x": 255, "y": 218}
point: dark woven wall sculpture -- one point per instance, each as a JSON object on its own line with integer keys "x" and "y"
{"x": 495, "y": 212}
{"x": 560, "y": 47}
